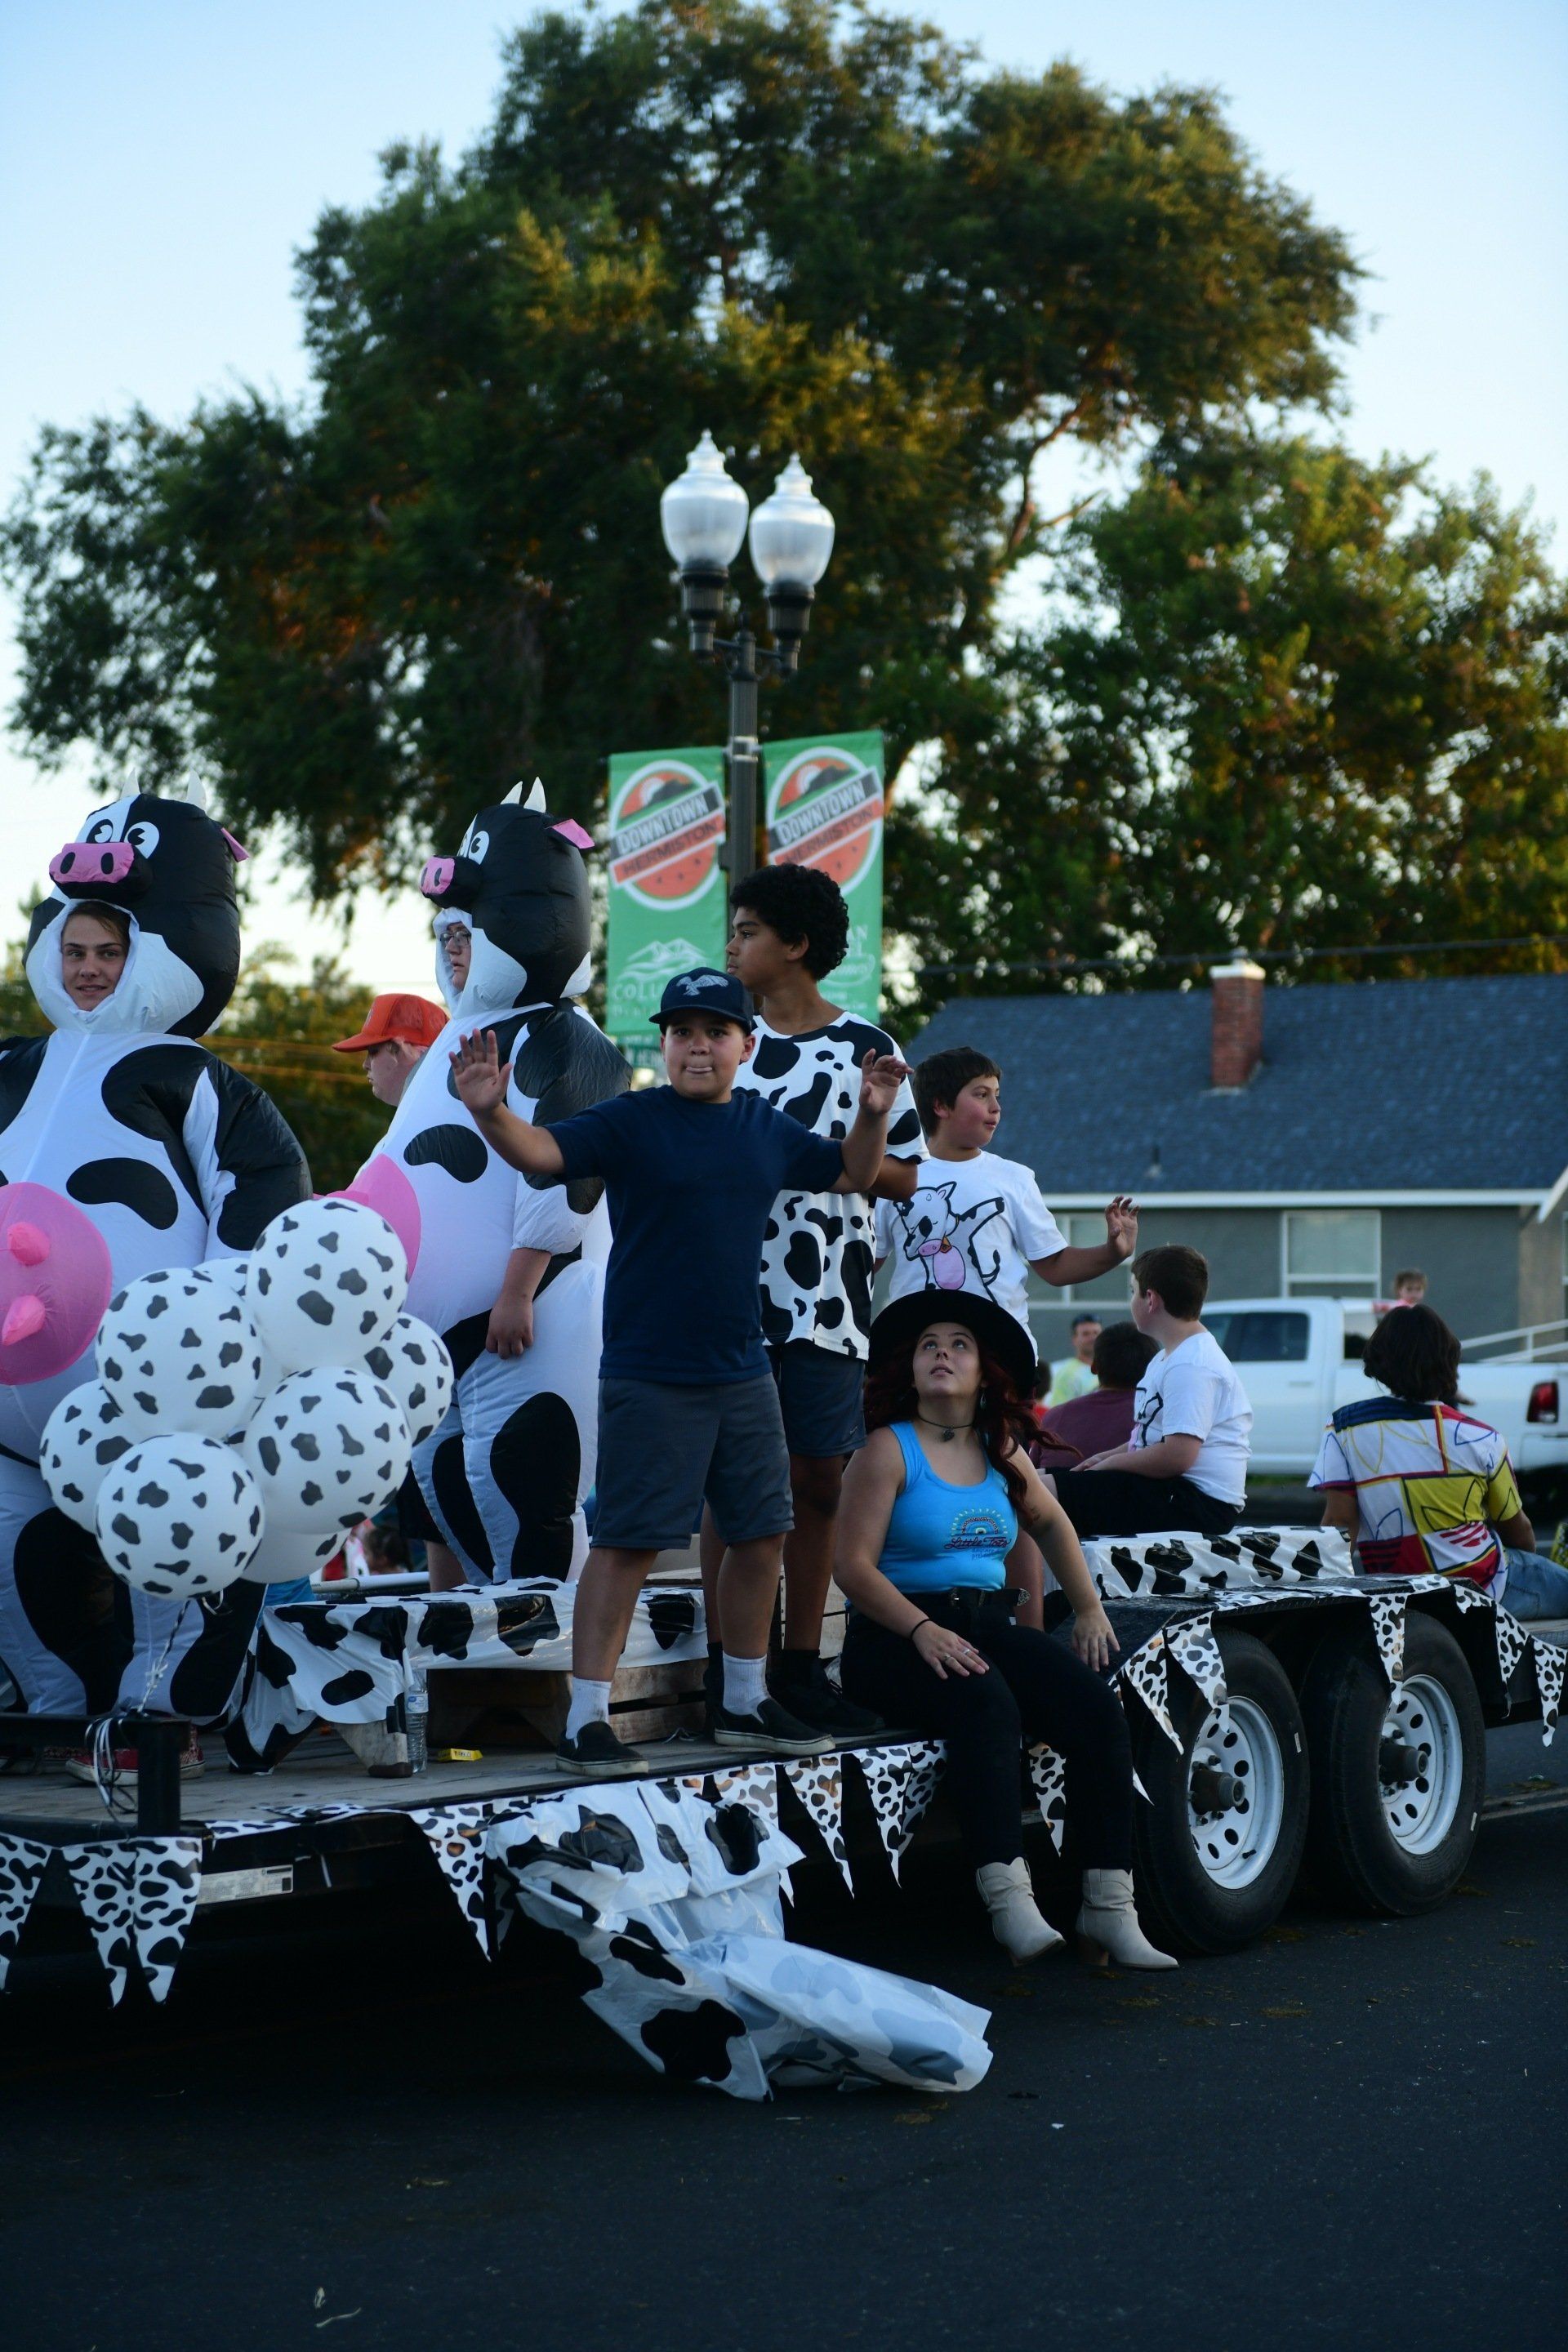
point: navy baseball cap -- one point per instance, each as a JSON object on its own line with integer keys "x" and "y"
{"x": 704, "y": 990}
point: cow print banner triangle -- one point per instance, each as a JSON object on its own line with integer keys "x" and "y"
{"x": 1550, "y": 1662}
{"x": 104, "y": 1879}
{"x": 819, "y": 1782}
{"x": 1512, "y": 1641}
{"x": 926, "y": 1761}
{"x": 1388, "y": 1632}
{"x": 1196, "y": 1652}
{"x": 1145, "y": 1670}
{"x": 22, "y": 1867}
{"x": 887, "y": 1772}
{"x": 166, "y": 1878}
{"x": 456, "y": 1835}
{"x": 1048, "y": 1778}
{"x": 750, "y": 1784}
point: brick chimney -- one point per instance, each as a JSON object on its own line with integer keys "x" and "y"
{"x": 1235, "y": 1045}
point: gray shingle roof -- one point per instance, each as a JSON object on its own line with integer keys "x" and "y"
{"x": 1392, "y": 1085}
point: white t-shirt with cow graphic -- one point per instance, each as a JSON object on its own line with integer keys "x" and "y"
{"x": 817, "y": 1251}
{"x": 970, "y": 1224}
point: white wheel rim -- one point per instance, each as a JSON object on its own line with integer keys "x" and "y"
{"x": 1236, "y": 1842}
{"x": 1420, "y": 1813}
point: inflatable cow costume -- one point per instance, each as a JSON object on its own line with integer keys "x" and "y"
{"x": 125, "y": 1147}
{"x": 506, "y": 1474}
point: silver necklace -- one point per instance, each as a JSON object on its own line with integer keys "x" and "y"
{"x": 949, "y": 1430}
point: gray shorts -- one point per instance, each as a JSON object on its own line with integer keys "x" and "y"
{"x": 664, "y": 1449}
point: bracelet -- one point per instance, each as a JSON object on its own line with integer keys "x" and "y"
{"x": 915, "y": 1628}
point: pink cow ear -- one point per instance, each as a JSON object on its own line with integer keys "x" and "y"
{"x": 236, "y": 849}
{"x": 573, "y": 832}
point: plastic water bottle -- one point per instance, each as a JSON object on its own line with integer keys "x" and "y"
{"x": 416, "y": 1717}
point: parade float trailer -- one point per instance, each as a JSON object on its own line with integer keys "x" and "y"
{"x": 1289, "y": 1719}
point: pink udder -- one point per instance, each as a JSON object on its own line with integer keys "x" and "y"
{"x": 56, "y": 1279}
{"x": 382, "y": 1185}
{"x": 948, "y": 1267}
{"x": 95, "y": 862}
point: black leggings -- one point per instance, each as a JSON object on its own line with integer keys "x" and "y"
{"x": 1035, "y": 1685}
{"x": 1121, "y": 1503}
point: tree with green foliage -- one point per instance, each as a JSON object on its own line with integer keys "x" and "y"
{"x": 800, "y": 226}
{"x": 1288, "y": 700}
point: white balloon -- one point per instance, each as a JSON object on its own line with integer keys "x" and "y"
{"x": 412, "y": 1363}
{"x": 229, "y": 1273}
{"x": 83, "y": 1438}
{"x": 283, "y": 1557}
{"x": 179, "y": 1517}
{"x": 326, "y": 1449}
{"x": 327, "y": 1281}
{"x": 178, "y": 1353}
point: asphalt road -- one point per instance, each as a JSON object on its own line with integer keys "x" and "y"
{"x": 1350, "y": 2135}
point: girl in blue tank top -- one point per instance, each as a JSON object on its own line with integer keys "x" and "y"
{"x": 927, "y": 1537}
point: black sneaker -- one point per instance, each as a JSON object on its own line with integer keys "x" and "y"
{"x": 772, "y": 1729}
{"x": 817, "y": 1700}
{"x": 596, "y": 1754}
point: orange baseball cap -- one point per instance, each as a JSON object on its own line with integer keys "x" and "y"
{"x": 412, "y": 1020}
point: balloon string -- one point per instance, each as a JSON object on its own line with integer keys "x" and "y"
{"x": 106, "y": 1775}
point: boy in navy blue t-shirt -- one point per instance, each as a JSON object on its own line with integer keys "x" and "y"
{"x": 688, "y": 1407}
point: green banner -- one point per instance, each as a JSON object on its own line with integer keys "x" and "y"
{"x": 667, "y": 897}
{"x": 824, "y": 805}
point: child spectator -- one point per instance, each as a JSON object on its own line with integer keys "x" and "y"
{"x": 1101, "y": 1421}
{"x": 1073, "y": 1375}
{"x": 1418, "y": 1485}
{"x": 789, "y": 929}
{"x": 687, "y": 1408}
{"x": 1184, "y": 1466}
{"x": 975, "y": 1221}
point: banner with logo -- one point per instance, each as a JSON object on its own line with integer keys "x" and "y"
{"x": 824, "y": 803}
{"x": 667, "y": 894}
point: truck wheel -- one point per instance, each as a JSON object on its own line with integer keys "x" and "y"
{"x": 1218, "y": 1847}
{"x": 1397, "y": 1776}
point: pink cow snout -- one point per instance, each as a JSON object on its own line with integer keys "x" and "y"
{"x": 95, "y": 863}
{"x": 437, "y": 879}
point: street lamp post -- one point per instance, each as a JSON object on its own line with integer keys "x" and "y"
{"x": 704, "y": 517}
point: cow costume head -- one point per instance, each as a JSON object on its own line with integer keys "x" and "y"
{"x": 168, "y": 867}
{"x": 519, "y": 884}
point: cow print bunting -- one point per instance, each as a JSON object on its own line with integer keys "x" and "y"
{"x": 1550, "y": 1662}
{"x": 104, "y": 1879}
{"x": 1146, "y": 1671}
{"x": 1048, "y": 1776}
{"x": 1388, "y": 1632}
{"x": 166, "y": 1882}
{"x": 1512, "y": 1641}
{"x": 22, "y": 1867}
{"x": 1193, "y": 1645}
{"x": 458, "y": 1837}
{"x": 819, "y": 1782}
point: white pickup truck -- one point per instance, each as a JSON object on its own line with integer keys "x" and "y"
{"x": 1298, "y": 1359}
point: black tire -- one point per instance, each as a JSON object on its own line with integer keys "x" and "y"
{"x": 1355, "y": 1853}
{"x": 1183, "y": 1900}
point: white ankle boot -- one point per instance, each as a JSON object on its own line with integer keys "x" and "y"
{"x": 1016, "y": 1921}
{"x": 1109, "y": 1924}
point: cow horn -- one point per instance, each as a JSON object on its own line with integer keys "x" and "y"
{"x": 514, "y": 798}
{"x": 536, "y": 796}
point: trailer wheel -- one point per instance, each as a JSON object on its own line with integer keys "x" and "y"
{"x": 1217, "y": 1846}
{"x": 1397, "y": 1776}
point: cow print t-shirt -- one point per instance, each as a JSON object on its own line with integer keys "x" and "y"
{"x": 816, "y": 1251}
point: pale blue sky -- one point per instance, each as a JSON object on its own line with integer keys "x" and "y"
{"x": 160, "y": 161}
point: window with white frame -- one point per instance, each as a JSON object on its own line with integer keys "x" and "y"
{"x": 1332, "y": 1253}
{"x": 1085, "y": 1229}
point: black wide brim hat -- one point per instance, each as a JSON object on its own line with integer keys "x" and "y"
{"x": 901, "y": 1321}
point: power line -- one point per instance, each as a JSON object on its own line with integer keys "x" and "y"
{"x": 1003, "y": 966}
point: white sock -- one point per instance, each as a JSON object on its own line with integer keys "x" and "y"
{"x": 590, "y": 1704}
{"x": 745, "y": 1684}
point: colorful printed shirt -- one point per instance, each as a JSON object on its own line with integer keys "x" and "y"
{"x": 1431, "y": 1483}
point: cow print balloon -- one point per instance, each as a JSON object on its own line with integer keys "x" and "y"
{"x": 176, "y": 1352}
{"x": 83, "y": 1438}
{"x": 326, "y": 1449}
{"x": 327, "y": 1281}
{"x": 179, "y": 1517}
{"x": 412, "y": 1363}
{"x": 284, "y": 1556}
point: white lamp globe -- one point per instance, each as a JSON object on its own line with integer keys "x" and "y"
{"x": 703, "y": 513}
{"x": 792, "y": 532}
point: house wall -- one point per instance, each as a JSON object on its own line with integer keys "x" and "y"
{"x": 1486, "y": 1269}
